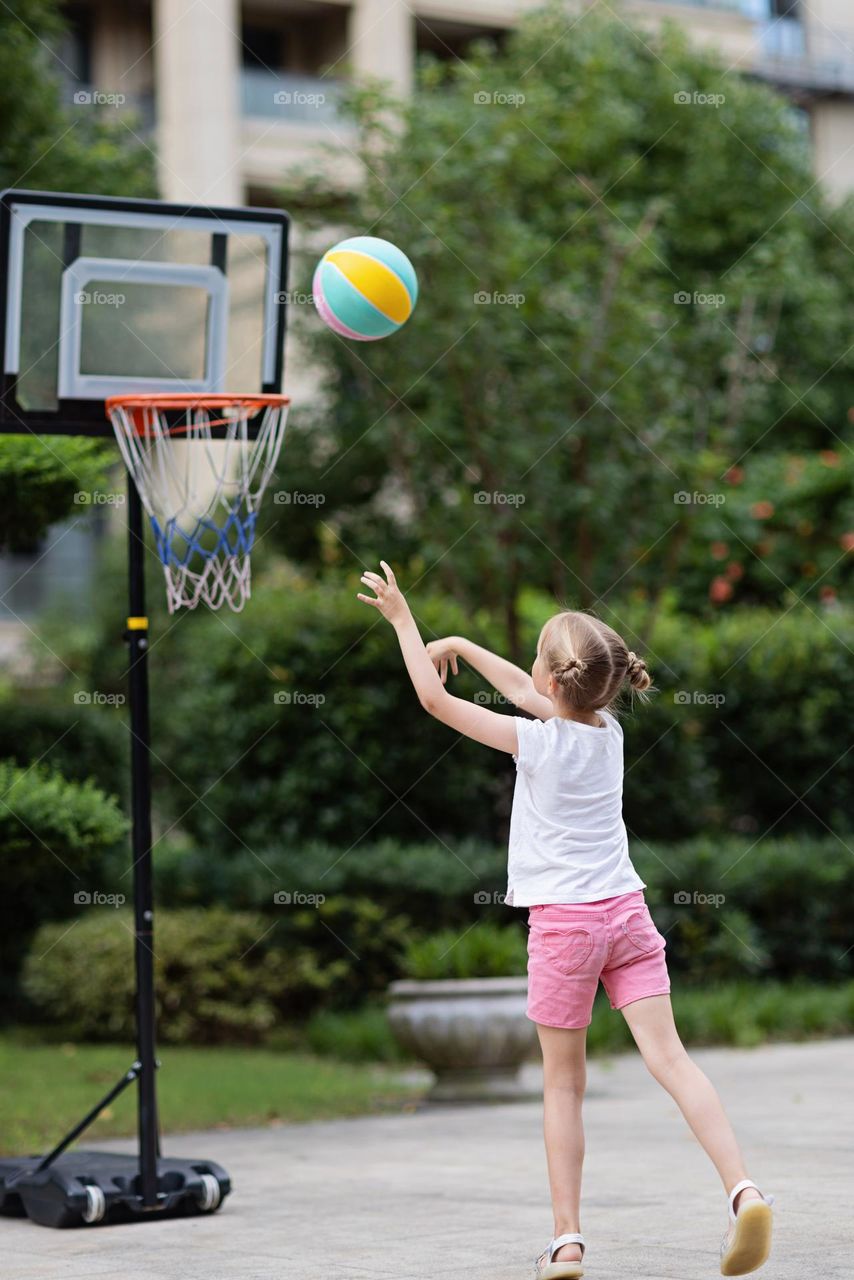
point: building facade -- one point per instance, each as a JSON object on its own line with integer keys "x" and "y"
{"x": 237, "y": 92}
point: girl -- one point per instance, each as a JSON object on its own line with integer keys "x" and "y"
{"x": 569, "y": 864}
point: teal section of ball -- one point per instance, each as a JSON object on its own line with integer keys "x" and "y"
{"x": 350, "y": 306}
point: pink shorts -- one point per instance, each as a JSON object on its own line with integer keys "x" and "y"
{"x": 572, "y": 946}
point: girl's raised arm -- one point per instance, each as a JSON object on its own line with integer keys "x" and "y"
{"x": 475, "y": 722}
{"x": 515, "y": 684}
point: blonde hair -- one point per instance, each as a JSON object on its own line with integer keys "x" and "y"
{"x": 589, "y": 662}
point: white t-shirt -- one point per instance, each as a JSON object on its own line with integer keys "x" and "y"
{"x": 568, "y": 841}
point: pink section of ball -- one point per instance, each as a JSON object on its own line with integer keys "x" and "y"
{"x": 329, "y": 318}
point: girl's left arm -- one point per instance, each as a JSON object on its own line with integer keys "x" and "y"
{"x": 488, "y": 727}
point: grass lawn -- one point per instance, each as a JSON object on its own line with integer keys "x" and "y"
{"x": 45, "y": 1089}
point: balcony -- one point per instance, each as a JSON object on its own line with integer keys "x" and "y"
{"x": 287, "y": 96}
{"x": 745, "y": 7}
{"x": 80, "y": 97}
{"x": 795, "y": 56}
{"x": 809, "y": 58}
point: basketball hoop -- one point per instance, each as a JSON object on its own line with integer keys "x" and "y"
{"x": 202, "y": 291}
{"x": 201, "y": 464}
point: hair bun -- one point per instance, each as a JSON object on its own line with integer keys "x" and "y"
{"x": 572, "y": 667}
{"x": 636, "y": 673}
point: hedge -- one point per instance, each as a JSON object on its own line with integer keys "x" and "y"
{"x": 80, "y": 741}
{"x": 748, "y": 731}
{"x": 218, "y": 977}
{"x": 305, "y": 932}
{"x": 295, "y": 721}
{"x": 785, "y": 910}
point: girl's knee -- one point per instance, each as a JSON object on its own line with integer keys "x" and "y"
{"x": 664, "y": 1062}
{"x": 565, "y": 1081}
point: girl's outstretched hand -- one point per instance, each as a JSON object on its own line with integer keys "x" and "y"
{"x": 443, "y": 652}
{"x": 389, "y": 599}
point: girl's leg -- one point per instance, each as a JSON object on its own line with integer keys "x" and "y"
{"x": 651, "y": 1023}
{"x": 564, "y": 1081}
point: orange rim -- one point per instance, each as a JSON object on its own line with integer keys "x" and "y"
{"x": 189, "y": 399}
{"x": 136, "y": 405}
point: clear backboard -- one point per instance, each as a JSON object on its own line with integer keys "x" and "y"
{"x": 102, "y": 296}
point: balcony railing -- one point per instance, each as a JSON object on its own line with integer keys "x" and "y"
{"x": 86, "y": 97}
{"x": 750, "y": 8}
{"x": 286, "y": 96}
{"x": 790, "y": 53}
{"x": 810, "y": 57}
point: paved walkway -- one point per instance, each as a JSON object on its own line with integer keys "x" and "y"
{"x": 463, "y": 1194}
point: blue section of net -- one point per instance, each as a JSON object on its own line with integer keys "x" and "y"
{"x": 178, "y": 546}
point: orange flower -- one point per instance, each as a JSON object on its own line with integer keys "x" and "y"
{"x": 829, "y": 457}
{"x": 762, "y": 510}
{"x": 734, "y": 571}
{"x": 720, "y": 590}
{"x": 846, "y": 542}
{"x": 719, "y": 550}
{"x": 828, "y": 594}
{"x": 735, "y": 475}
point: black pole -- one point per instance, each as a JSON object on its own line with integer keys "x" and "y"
{"x": 143, "y": 897}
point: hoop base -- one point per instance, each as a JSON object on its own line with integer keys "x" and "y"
{"x": 83, "y": 1188}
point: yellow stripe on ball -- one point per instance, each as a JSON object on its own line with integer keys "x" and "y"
{"x": 375, "y": 281}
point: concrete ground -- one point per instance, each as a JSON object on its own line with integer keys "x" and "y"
{"x": 463, "y": 1193}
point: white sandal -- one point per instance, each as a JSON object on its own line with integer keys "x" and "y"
{"x": 747, "y": 1242}
{"x": 548, "y": 1270}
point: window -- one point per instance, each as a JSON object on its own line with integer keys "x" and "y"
{"x": 263, "y": 47}
{"x": 301, "y": 43}
{"x": 786, "y": 9}
{"x": 75, "y": 48}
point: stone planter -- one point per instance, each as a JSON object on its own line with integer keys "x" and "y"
{"x": 471, "y": 1032}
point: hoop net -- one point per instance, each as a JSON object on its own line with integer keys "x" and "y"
{"x": 201, "y": 464}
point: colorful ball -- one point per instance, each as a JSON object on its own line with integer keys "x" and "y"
{"x": 365, "y": 288}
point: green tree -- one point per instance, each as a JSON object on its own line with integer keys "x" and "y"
{"x": 618, "y": 243}
{"x": 45, "y": 145}
{"x": 39, "y": 482}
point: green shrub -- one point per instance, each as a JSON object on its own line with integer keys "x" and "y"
{"x": 363, "y": 1035}
{"x": 79, "y": 741}
{"x": 428, "y": 883}
{"x": 780, "y": 746}
{"x": 38, "y": 484}
{"x": 785, "y": 909}
{"x": 219, "y": 978}
{"x": 358, "y": 941}
{"x": 296, "y": 721}
{"x": 483, "y": 951}
{"x": 744, "y": 1014}
{"x": 56, "y": 840}
{"x": 744, "y": 734}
